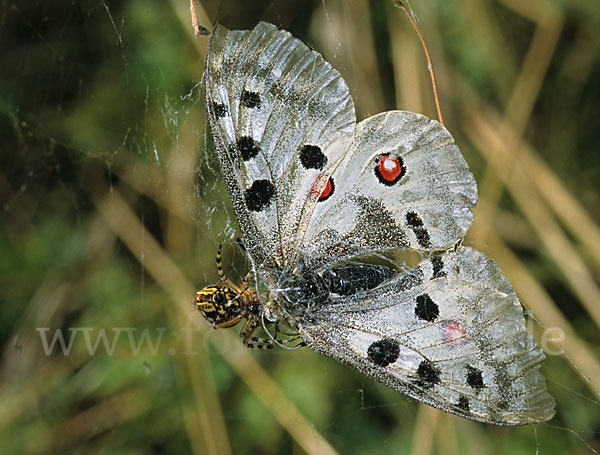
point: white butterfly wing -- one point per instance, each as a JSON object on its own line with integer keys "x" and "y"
{"x": 280, "y": 117}
{"x": 403, "y": 184}
{"x": 310, "y": 189}
{"x": 450, "y": 334}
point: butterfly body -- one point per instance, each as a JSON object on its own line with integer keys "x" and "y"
{"x": 316, "y": 194}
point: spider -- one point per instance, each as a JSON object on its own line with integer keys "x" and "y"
{"x": 224, "y": 305}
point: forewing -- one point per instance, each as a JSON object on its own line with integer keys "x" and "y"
{"x": 450, "y": 334}
{"x": 403, "y": 184}
{"x": 281, "y": 117}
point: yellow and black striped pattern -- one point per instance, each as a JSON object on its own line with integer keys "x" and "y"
{"x": 219, "y": 304}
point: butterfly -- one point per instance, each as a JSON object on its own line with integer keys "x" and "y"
{"x": 316, "y": 195}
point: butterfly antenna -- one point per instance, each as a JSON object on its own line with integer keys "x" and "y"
{"x": 427, "y": 55}
{"x": 241, "y": 244}
{"x": 274, "y": 337}
{"x": 264, "y": 326}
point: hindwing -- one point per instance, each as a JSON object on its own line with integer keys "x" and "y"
{"x": 450, "y": 334}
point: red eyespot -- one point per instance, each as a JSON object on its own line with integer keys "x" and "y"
{"x": 389, "y": 169}
{"x": 454, "y": 332}
{"x": 326, "y": 192}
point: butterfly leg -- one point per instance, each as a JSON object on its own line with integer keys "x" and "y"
{"x": 263, "y": 343}
{"x": 267, "y": 343}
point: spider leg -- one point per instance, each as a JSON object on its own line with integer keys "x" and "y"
{"x": 254, "y": 342}
{"x": 224, "y": 279}
{"x": 230, "y": 323}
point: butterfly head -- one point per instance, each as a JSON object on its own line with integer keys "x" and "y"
{"x": 220, "y": 305}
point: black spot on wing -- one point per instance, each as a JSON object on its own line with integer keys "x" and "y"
{"x": 426, "y": 308}
{"x": 474, "y": 377}
{"x": 259, "y": 195}
{"x": 383, "y": 352}
{"x": 423, "y": 238}
{"x": 312, "y": 157}
{"x": 428, "y": 374}
{"x": 251, "y": 99}
{"x": 220, "y": 110}
{"x": 248, "y": 147}
{"x": 415, "y": 223}
{"x": 413, "y": 219}
{"x": 438, "y": 265}
{"x": 463, "y": 404}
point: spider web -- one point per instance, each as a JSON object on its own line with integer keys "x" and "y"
{"x": 113, "y": 208}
